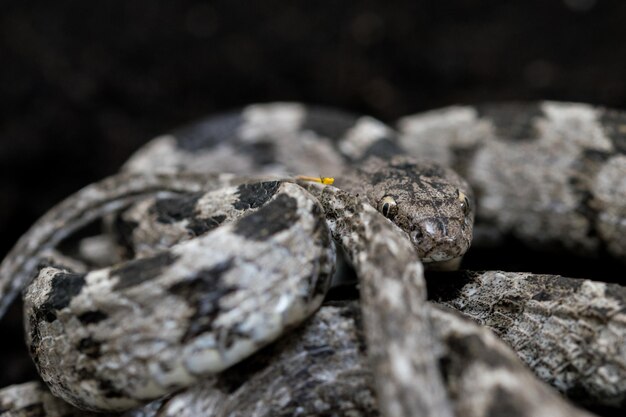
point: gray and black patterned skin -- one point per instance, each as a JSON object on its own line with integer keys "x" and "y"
{"x": 483, "y": 375}
{"x": 428, "y": 206}
{"x": 393, "y": 299}
{"x": 406, "y": 348}
{"x": 91, "y": 203}
{"x": 384, "y": 259}
{"x": 570, "y": 332}
{"x": 322, "y": 368}
{"x": 33, "y": 399}
{"x": 361, "y": 153}
{"x": 184, "y": 313}
{"x": 330, "y": 351}
{"x": 549, "y": 173}
{"x": 59, "y": 301}
{"x": 207, "y": 155}
{"x": 22, "y": 400}
{"x": 433, "y": 204}
{"x": 552, "y": 175}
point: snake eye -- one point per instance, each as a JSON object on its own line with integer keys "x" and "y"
{"x": 388, "y": 206}
{"x": 464, "y": 201}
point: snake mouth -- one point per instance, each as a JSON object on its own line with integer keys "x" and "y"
{"x": 437, "y": 257}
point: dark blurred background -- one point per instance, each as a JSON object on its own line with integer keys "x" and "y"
{"x": 83, "y": 84}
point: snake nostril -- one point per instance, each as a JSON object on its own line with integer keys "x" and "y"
{"x": 417, "y": 235}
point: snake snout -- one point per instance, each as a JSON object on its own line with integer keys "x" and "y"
{"x": 432, "y": 240}
{"x": 429, "y": 229}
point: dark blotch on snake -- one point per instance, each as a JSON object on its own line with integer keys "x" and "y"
{"x": 135, "y": 272}
{"x": 172, "y": 210}
{"x": 109, "y": 389}
{"x": 384, "y": 148}
{"x": 600, "y": 313}
{"x": 542, "y": 296}
{"x": 410, "y": 172}
{"x": 203, "y": 291}
{"x": 198, "y": 226}
{"x": 328, "y": 123}
{"x": 613, "y": 123}
{"x": 64, "y": 287}
{"x": 504, "y": 404}
{"x": 589, "y": 212}
{"x": 587, "y": 166}
{"x": 514, "y": 121}
{"x": 255, "y": 195}
{"x": 595, "y": 156}
{"x": 572, "y": 284}
{"x": 270, "y": 219}
{"x": 429, "y": 171}
{"x": 125, "y": 229}
{"x": 379, "y": 177}
{"x": 204, "y": 135}
{"x": 89, "y": 347}
{"x": 231, "y": 335}
{"x": 462, "y": 157}
{"x": 618, "y": 293}
{"x": 466, "y": 350}
{"x": 262, "y": 153}
{"x": 92, "y": 317}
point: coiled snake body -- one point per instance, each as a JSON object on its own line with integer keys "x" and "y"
{"x": 227, "y": 263}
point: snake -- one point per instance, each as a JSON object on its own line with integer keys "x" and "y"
{"x": 226, "y": 264}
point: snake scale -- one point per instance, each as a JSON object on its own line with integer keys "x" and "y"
{"x": 212, "y": 250}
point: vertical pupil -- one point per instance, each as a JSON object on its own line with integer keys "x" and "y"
{"x": 385, "y": 209}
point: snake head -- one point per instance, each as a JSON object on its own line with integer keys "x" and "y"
{"x": 431, "y": 203}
